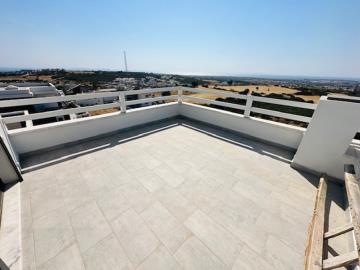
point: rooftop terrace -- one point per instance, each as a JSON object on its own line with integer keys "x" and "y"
{"x": 175, "y": 187}
{"x": 176, "y": 194}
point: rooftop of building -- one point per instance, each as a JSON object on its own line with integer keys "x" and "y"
{"x": 26, "y": 90}
{"x": 170, "y": 186}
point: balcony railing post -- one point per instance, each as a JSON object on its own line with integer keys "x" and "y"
{"x": 180, "y": 95}
{"x": 122, "y": 102}
{"x": 249, "y": 100}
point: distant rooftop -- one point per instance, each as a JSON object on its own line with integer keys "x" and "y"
{"x": 27, "y": 90}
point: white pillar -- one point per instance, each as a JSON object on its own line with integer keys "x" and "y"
{"x": 249, "y": 101}
{"x": 122, "y": 102}
{"x": 180, "y": 95}
{"x": 334, "y": 124}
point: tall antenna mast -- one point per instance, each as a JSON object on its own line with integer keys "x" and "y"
{"x": 125, "y": 62}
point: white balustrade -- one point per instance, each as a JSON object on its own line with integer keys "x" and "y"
{"x": 177, "y": 94}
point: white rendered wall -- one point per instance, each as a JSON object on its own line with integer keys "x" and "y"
{"x": 53, "y": 134}
{"x": 327, "y": 138}
{"x": 7, "y": 171}
{"x": 50, "y": 135}
{"x": 269, "y": 131}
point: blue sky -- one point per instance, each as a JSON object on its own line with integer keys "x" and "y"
{"x": 316, "y": 38}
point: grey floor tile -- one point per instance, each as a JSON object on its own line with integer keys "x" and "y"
{"x": 194, "y": 255}
{"x": 117, "y": 173}
{"x": 75, "y": 194}
{"x": 38, "y": 179}
{"x": 159, "y": 219}
{"x": 150, "y": 180}
{"x": 97, "y": 181}
{"x": 166, "y": 227}
{"x": 287, "y": 232}
{"x": 113, "y": 204}
{"x": 205, "y": 193}
{"x": 169, "y": 175}
{"x": 250, "y": 260}
{"x": 136, "y": 238}
{"x": 105, "y": 255}
{"x": 149, "y": 161}
{"x": 66, "y": 174}
{"x": 28, "y": 252}
{"x": 281, "y": 256}
{"x": 45, "y": 200}
{"x": 221, "y": 242}
{"x": 52, "y": 233}
{"x": 175, "y": 237}
{"x": 68, "y": 259}
{"x": 160, "y": 259}
{"x": 177, "y": 204}
{"x": 137, "y": 195}
{"x": 89, "y": 224}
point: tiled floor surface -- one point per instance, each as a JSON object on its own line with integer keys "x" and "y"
{"x": 172, "y": 195}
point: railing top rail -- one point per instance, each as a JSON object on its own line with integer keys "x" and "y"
{"x": 60, "y": 112}
{"x": 223, "y": 93}
{"x": 42, "y": 100}
{"x": 119, "y": 97}
{"x": 215, "y": 102}
{"x": 113, "y": 93}
{"x": 150, "y": 90}
{"x": 154, "y": 99}
{"x": 215, "y": 92}
{"x": 343, "y": 97}
{"x": 284, "y": 102}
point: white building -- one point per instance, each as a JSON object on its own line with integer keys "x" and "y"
{"x": 27, "y": 90}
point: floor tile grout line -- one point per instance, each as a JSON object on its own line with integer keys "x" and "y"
{"x": 114, "y": 233}
{"x": 242, "y": 243}
{"x": 63, "y": 206}
{"x": 161, "y": 243}
{"x": 76, "y": 240}
{"x": 118, "y": 240}
{"x": 32, "y": 222}
{"x": 72, "y": 229}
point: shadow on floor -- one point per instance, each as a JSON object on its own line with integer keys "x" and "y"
{"x": 62, "y": 153}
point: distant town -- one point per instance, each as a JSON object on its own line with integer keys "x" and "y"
{"x": 20, "y": 84}
{"x": 94, "y": 80}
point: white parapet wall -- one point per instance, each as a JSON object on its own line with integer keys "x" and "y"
{"x": 269, "y": 131}
{"x": 9, "y": 165}
{"x": 54, "y": 134}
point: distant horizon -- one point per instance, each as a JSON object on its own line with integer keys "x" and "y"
{"x": 205, "y": 37}
{"x": 245, "y": 75}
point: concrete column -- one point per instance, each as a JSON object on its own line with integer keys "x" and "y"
{"x": 335, "y": 122}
